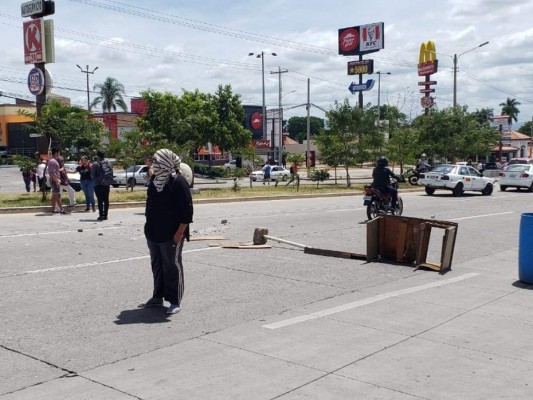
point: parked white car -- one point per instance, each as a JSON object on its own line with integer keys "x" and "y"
{"x": 275, "y": 172}
{"x": 246, "y": 165}
{"x": 73, "y": 176}
{"x": 518, "y": 176}
{"x": 457, "y": 178}
{"x": 134, "y": 175}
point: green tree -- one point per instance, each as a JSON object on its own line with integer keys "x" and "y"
{"x": 510, "y": 109}
{"x": 484, "y": 115}
{"x": 111, "y": 94}
{"x": 454, "y": 133}
{"x": 526, "y": 129}
{"x": 196, "y": 118}
{"x": 297, "y": 127}
{"x": 68, "y": 128}
{"x": 229, "y": 133}
{"x": 403, "y": 146}
{"x": 353, "y": 134}
{"x": 188, "y": 120}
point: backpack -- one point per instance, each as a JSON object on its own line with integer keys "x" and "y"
{"x": 107, "y": 173}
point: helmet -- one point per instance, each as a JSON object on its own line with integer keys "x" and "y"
{"x": 424, "y": 156}
{"x": 383, "y": 161}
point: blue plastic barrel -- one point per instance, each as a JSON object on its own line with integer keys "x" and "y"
{"x": 525, "y": 249}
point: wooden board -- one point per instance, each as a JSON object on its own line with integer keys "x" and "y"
{"x": 197, "y": 238}
{"x": 240, "y": 245}
{"x": 334, "y": 253}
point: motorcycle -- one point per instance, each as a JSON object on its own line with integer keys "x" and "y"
{"x": 377, "y": 202}
{"x": 413, "y": 174}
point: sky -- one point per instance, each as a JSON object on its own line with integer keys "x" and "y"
{"x": 176, "y": 45}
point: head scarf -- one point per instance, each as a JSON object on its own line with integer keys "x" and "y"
{"x": 164, "y": 164}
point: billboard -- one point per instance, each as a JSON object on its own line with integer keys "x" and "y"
{"x": 360, "y": 67}
{"x": 253, "y": 120}
{"x": 362, "y": 39}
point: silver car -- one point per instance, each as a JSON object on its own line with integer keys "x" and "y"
{"x": 275, "y": 172}
{"x": 518, "y": 176}
{"x": 134, "y": 175}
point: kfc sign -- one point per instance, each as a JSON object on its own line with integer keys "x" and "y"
{"x": 34, "y": 45}
{"x": 357, "y": 40}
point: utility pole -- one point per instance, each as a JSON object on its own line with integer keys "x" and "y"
{"x": 455, "y": 59}
{"x": 308, "y": 153}
{"x": 531, "y": 138}
{"x": 87, "y": 72}
{"x": 280, "y": 115}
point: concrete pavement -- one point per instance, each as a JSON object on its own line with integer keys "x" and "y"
{"x": 416, "y": 335}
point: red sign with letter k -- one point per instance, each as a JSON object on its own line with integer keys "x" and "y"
{"x": 34, "y": 41}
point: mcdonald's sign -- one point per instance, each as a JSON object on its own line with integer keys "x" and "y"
{"x": 427, "y": 60}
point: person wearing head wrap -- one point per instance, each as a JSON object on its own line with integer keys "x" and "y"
{"x": 169, "y": 212}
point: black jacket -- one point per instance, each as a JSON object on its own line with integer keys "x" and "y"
{"x": 167, "y": 209}
{"x": 381, "y": 176}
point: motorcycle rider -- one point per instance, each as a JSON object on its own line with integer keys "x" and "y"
{"x": 381, "y": 180}
{"x": 422, "y": 165}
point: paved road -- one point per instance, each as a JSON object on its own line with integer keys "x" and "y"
{"x": 271, "y": 323}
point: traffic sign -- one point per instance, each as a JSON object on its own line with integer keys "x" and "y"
{"x": 32, "y": 8}
{"x": 363, "y": 87}
{"x": 36, "y": 81}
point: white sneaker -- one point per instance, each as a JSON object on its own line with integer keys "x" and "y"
{"x": 173, "y": 309}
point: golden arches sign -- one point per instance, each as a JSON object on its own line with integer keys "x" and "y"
{"x": 428, "y": 52}
{"x": 427, "y": 60}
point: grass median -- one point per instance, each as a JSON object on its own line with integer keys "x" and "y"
{"x": 139, "y": 194}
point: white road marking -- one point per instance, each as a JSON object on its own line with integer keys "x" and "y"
{"x": 481, "y": 216}
{"x": 364, "y": 302}
{"x": 58, "y": 232}
{"x": 96, "y": 263}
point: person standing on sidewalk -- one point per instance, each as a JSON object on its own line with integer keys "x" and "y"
{"x": 65, "y": 183}
{"x": 169, "y": 211}
{"x": 86, "y": 182}
{"x": 55, "y": 182}
{"x": 100, "y": 174}
{"x": 40, "y": 175}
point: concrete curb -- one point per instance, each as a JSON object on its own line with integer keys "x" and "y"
{"x": 134, "y": 204}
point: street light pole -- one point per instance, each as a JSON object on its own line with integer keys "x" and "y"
{"x": 280, "y": 116}
{"x": 455, "y": 59}
{"x": 87, "y": 72}
{"x": 379, "y": 92}
{"x": 262, "y": 57}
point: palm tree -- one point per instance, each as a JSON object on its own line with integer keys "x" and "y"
{"x": 111, "y": 92}
{"x": 510, "y": 109}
